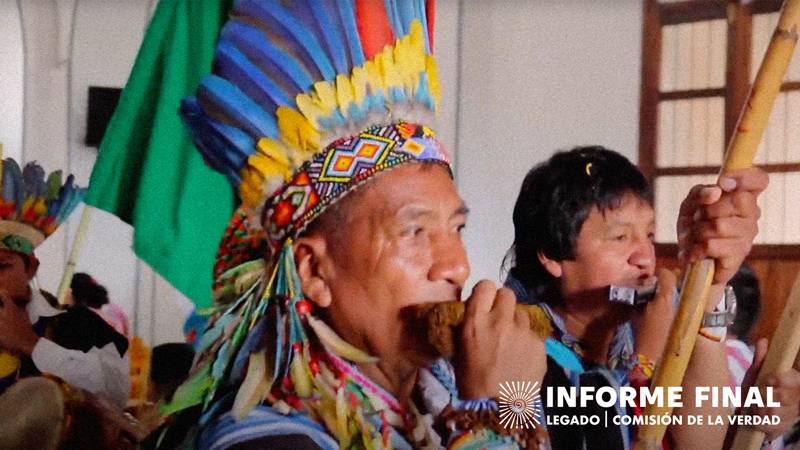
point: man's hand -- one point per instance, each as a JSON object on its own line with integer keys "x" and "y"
{"x": 721, "y": 221}
{"x": 785, "y": 391}
{"x": 16, "y": 333}
{"x": 496, "y": 344}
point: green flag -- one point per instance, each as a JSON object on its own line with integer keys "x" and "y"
{"x": 148, "y": 172}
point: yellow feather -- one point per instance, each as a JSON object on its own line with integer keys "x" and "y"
{"x": 341, "y": 417}
{"x": 433, "y": 80}
{"x": 269, "y": 166}
{"x": 310, "y": 109}
{"x": 375, "y": 79}
{"x": 300, "y": 379}
{"x": 388, "y": 71}
{"x": 273, "y": 149}
{"x": 296, "y": 130}
{"x": 344, "y": 94}
{"x": 417, "y": 46}
{"x": 40, "y": 208}
{"x": 254, "y": 388}
{"x": 338, "y": 345}
{"x": 403, "y": 63}
{"x": 359, "y": 81}
{"x": 250, "y": 195}
{"x": 326, "y": 97}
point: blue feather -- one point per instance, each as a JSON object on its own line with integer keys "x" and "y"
{"x": 72, "y": 196}
{"x": 274, "y": 62}
{"x": 236, "y": 107}
{"x": 208, "y": 141}
{"x": 406, "y": 13}
{"x": 250, "y": 345}
{"x": 33, "y": 180}
{"x": 347, "y": 17}
{"x": 422, "y": 14}
{"x": 423, "y": 94}
{"x": 316, "y": 17}
{"x": 234, "y": 66}
{"x": 12, "y": 183}
{"x": 271, "y": 15}
{"x": 394, "y": 18}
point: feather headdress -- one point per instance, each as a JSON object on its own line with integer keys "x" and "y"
{"x": 32, "y": 207}
{"x": 310, "y": 97}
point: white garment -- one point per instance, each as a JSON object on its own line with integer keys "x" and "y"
{"x": 100, "y": 371}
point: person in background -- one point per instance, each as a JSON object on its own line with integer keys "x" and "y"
{"x": 584, "y": 220}
{"x": 86, "y": 291}
{"x": 73, "y": 343}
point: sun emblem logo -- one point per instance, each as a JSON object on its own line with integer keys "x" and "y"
{"x": 520, "y": 404}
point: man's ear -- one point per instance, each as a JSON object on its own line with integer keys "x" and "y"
{"x": 554, "y": 267}
{"x": 32, "y": 267}
{"x": 312, "y": 259}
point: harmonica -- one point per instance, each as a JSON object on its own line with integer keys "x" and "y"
{"x": 631, "y": 295}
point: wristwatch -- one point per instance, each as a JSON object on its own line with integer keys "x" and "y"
{"x": 723, "y": 318}
{"x": 715, "y": 324}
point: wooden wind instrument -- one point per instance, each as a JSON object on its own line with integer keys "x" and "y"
{"x": 780, "y": 357}
{"x": 740, "y": 154}
{"x": 441, "y": 318}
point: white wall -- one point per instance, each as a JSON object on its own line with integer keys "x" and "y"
{"x": 537, "y": 77}
{"x": 11, "y": 79}
{"x": 69, "y": 46}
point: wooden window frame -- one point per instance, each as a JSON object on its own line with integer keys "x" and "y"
{"x": 737, "y": 85}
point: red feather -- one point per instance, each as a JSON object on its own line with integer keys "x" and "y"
{"x": 430, "y": 12}
{"x": 373, "y": 27}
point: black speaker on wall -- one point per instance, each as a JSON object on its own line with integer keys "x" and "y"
{"x": 102, "y": 103}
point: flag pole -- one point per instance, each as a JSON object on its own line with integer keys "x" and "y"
{"x": 66, "y": 279}
{"x": 740, "y": 155}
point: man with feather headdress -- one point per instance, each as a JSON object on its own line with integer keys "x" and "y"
{"x": 318, "y": 112}
{"x": 35, "y": 336}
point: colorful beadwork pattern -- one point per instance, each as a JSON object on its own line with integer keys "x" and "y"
{"x": 344, "y": 165}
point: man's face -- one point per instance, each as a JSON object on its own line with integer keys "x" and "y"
{"x": 15, "y": 275}
{"x": 612, "y": 247}
{"x": 400, "y": 246}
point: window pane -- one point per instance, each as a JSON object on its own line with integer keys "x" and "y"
{"x": 693, "y": 55}
{"x": 691, "y": 132}
{"x": 669, "y": 58}
{"x": 666, "y": 134}
{"x": 793, "y": 128}
{"x": 781, "y": 141}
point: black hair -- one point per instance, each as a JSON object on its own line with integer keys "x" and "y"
{"x": 555, "y": 200}
{"x": 87, "y": 292}
{"x": 170, "y": 365}
{"x": 748, "y": 302}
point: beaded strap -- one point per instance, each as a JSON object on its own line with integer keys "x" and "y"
{"x": 638, "y": 362}
{"x": 473, "y": 416}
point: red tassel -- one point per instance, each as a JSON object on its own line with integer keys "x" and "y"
{"x": 373, "y": 27}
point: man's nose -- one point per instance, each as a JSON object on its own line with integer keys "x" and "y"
{"x": 449, "y": 260}
{"x": 644, "y": 255}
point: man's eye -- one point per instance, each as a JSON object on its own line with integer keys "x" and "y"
{"x": 460, "y": 228}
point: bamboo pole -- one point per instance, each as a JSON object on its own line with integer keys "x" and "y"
{"x": 740, "y": 154}
{"x": 780, "y": 357}
{"x": 66, "y": 279}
